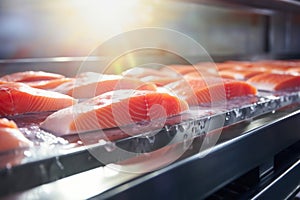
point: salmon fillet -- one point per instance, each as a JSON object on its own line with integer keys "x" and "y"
{"x": 294, "y": 71}
{"x": 158, "y": 80}
{"x": 29, "y": 76}
{"x": 17, "y": 98}
{"x": 283, "y": 63}
{"x": 139, "y": 72}
{"x": 272, "y": 66}
{"x": 114, "y": 109}
{"x": 49, "y": 84}
{"x": 11, "y": 137}
{"x": 90, "y": 84}
{"x": 191, "y": 70}
{"x": 200, "y": 74}
{"x": 198, "y": 91}
{"x": 274, "y": 82}
{"x": 238, "y": 74}
{"x": 178, "y": 69}
{"x": 224, "y": 66}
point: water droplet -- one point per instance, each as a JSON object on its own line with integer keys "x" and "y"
{"x": 172, "y": 131}
{"x": 43, "y": 172}
{"x": 167, "y": 128}
{"x": 237, "y": 112}
{"x": 194, "y": 130}
{"x": 110, "y": 146}
{"x": 8, "y": 166}
{"x": 252, "y": 108}
{"x": 180, "y": 128}
{"x": 102, "y": 142}
{"x": 59, "y": 164}
{"x": 151, "y": 139}
{"x": 186, "y": 142}
{"x": 185, "y": 136}
{"x": 187, "y": 125}
{"x": 27, "y": 153}
{"x": 9, "y": 169}
{"x": 201, "y": 124}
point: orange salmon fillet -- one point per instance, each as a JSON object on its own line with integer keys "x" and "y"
{"x": 272, "y": 66}
{"x": 17, "y": 98}
{"x": 179, "y": 69}
{"x": 158, "y": 80}
{"x": 200, "y": 74}
{"x": 294, "y": 71}
{"x": 191, "y": 70}
{"x": 90, "y": 84}
{"x": 114, "y": 109}
{"x": 29, "y": 76}
{"x": 49, "y": 84}
{"x": 274, "y": 82}
{"x": 224, "y": 66}
{"x": 238, "y": 74}
{"x": 198, "y": 91}
{"x": 139, "y": 72}
{"x": 11, "y": 137}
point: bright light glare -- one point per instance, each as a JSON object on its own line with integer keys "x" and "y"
{"x": 115, "y": 13}
{"x": 94, "y": 21}
{"x": 102, "y": 19}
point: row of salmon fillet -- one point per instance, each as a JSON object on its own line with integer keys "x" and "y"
{"x": 92, "y": 101}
